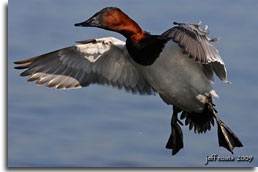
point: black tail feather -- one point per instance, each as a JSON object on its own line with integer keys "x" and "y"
{"x": 200, "y": 122}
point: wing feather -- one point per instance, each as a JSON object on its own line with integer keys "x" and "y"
{"x": 196, "y": 43}
{"x": 100, "y": 61}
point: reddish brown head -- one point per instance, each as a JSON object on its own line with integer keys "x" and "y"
{"x": 114, "y": 19}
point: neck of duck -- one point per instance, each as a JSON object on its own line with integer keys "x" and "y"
{"x": 131, "y": 30}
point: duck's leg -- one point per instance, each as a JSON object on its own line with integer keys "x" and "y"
{"x": 226, "y": 137}
{"x": 175, "y": 141}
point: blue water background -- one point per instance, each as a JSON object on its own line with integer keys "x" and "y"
{"x": 103, "y": 127}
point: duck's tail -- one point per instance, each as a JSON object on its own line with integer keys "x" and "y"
{"x": 199, "y": 122}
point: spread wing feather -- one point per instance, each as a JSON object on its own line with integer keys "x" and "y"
{"x": 196, "y": 43}
{"x": 100, "y": 61}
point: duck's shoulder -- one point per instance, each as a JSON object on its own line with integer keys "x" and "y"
{"x": 147, "y": 50}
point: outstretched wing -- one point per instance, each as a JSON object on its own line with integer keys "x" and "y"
{"x": 102, "y": 61}
{"x": 197, "y": 44}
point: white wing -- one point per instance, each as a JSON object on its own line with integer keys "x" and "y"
{"x": 102, "y": 61}
{"x": 196, "y": 43}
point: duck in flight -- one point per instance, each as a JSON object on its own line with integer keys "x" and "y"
{"x": 178, "y": 65}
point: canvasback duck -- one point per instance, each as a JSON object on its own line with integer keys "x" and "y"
{"x": 178, "y": 65}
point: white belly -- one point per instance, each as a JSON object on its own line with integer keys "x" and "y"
{"x": 178, "y": 79}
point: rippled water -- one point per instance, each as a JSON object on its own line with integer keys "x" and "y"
{"x": 103, "y": 127}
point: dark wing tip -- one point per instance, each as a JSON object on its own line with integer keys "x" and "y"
{"x": 25, "y": 73}
{"x": 87, "y": 41}
{"x": 19, "y": 62}
{"x": 25, "y": 61}
{"x": 24, "y": 64}
{"x": 21, "y": 67}
{"x": 176, "y": 23}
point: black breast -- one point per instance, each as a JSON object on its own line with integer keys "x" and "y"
{"x": 147, "y": 50}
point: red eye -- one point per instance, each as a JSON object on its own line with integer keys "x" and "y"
{"x": 109, "y": 14}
